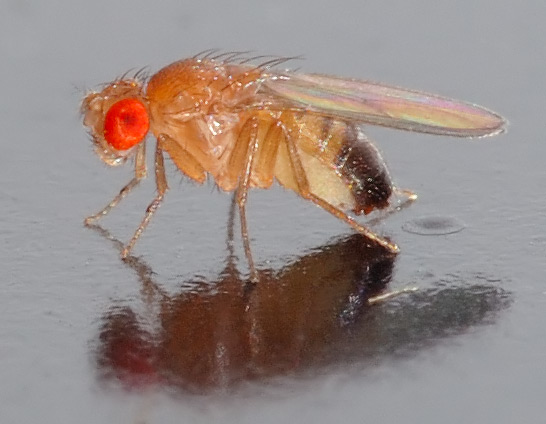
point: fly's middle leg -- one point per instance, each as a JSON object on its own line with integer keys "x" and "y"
{"x": 248, "y": 135}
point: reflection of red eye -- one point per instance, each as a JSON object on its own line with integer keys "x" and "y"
{"x": 126, "y": 124}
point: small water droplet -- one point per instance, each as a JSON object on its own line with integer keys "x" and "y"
{"x": 433, "y": 225}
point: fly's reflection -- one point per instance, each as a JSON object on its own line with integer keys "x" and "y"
{"x": 226, "y": 331}
{"x": 311, "y": 314}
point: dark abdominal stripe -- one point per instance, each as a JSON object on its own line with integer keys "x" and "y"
{"x": 361, "y": 164}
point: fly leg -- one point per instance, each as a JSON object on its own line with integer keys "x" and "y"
{"x": 162, "y": 187}
{"x": 303, "y": 186}
{"x": 230, "y": 225}
{"x": 249, "y": 134}
{"x": 184, "y": 161}
{"x": 140, "y": 173}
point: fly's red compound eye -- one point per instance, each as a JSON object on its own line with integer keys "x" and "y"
{"x": 126, "y": 124}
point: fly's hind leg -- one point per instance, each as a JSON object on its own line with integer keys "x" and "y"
{"x": 303, "y": 185}
{"x": 140, "y": 173}
{"x": 162, "y": 187}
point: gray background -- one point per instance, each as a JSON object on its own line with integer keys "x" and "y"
{"x": 57, "y": 277}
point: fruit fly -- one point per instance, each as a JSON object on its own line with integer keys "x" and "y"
{"x": 247, "y": 125}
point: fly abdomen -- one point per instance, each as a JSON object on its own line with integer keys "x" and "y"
{"x": 362, "y": 166}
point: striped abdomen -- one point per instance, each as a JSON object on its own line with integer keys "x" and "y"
{"x": 346, "y": 155}
{"x": 362, "y": 166}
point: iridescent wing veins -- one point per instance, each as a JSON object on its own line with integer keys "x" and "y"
{"x": 378, "y": 104}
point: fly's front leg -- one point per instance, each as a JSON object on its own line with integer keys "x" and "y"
{"x": 162, "y": 187}
{"x": 249, "y": 135}
{"x": 140, "y": 173}
{"x": 305, "y": 191}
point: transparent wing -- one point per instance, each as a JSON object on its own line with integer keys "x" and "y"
{"x": 377, "y": 104}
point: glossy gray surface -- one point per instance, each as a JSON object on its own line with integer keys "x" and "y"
{"x": 484, "y": 363}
